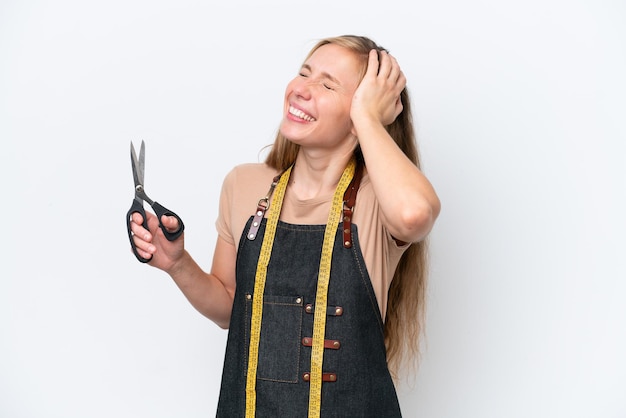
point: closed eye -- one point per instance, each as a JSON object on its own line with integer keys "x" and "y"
{"x": 327, "y": 81}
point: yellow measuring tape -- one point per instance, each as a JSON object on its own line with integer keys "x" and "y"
{"x": 321, "y": 298}
{"x": 321, "y": 295}
{"x": 259, "y": 288}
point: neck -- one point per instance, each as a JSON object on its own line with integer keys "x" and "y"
{"x": 312, "y": 177}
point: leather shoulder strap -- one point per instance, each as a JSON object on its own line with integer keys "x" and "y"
{"x": 349, "y": 199}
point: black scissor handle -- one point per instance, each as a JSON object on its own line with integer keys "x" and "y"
{"x": 160, "y": 211}
{"x": 137, "y": 207}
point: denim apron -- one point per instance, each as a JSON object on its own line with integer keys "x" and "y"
{"x": 356, "y": 381}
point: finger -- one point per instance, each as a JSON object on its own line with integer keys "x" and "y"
{"x": 398, "y": 89}
{"x": 395, "y": 72}
{"x": 141, "y": 253}
{"x": 385, "y": 65}
{"x": 399, "y": 108}
{"x": 401, "y": 81}
{"x": 372, "y": 64}
{"x": 136, "y": 218}
{"x": 139, "y": 231}
{"x": 170, "y": 223}
{"x": 143, "y": 242}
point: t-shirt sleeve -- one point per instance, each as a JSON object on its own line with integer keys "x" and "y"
{"x": 223, "y": 224}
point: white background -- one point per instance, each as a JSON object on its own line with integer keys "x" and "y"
{"x": 520, "y": 110}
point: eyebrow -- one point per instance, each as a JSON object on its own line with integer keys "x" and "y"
{"x": 324, "y": 74}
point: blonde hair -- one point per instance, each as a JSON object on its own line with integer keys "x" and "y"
{"x": 405, "y": 316}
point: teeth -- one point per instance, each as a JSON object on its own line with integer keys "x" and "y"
{"x": 300, "y": 114}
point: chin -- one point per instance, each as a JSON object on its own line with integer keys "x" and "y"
{"x": 290, "y": 134}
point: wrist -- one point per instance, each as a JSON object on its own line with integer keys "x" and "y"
{"x": 180, "y": 265}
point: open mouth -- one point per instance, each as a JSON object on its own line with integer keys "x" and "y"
{"x": 300, "y": 114}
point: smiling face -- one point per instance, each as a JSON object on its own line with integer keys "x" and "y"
{"x": 318, "y": 99}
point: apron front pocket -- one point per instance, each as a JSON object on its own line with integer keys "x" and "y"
{"x": 280, "y": 343}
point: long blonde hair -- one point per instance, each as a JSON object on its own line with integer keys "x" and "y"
{"x": 405, "y": 316}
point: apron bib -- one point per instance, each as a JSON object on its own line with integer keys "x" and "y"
{"x": 355, "y": 380}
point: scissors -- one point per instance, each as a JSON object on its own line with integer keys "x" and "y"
{"x": 140, "y": 196}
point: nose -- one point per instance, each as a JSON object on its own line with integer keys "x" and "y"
{"x": 302, "y": 88}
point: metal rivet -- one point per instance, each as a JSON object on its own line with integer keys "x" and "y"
{"x": 306, "y": 377}
{"x": 298, "y": 300}
{"x": 336, "y": 344}
{"x": 251, "y": 236}
{"x": 248, "y": 296}
{"x": 338, "y": 311}
{"x": 259, "y": 213}
{"x": 309, "y": 308}
{"x": 255, "y": 223}
{"x": 332, "y": 377}
{"x": 347, "y": 243}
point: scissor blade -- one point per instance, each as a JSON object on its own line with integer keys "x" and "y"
{"x": 137, "y": 165}
{"x": 142, "y": 157}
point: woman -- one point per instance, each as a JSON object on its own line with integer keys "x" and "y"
{"x": 320, "y": 280}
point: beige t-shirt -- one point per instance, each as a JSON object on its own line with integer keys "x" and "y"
{"x": 246, "y": 184}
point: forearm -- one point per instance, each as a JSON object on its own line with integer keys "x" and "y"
{"x": 408, "y": 201}
{"x": 203, "y": 290}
